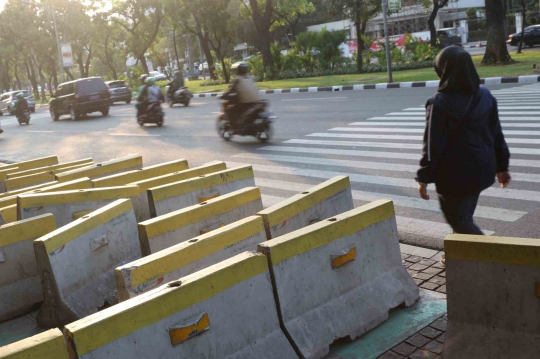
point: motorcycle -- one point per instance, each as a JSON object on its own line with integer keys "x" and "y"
{"x": 24, "y": 118}
{"x": 256, "y": 121}
{"x": 182, "y": 95}
{"x": 154, "y": 114}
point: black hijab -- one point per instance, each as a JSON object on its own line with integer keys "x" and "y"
{"x": 457, "y": 72}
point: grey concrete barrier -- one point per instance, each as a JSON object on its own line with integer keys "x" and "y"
{"x": 77, "y": 261}
{"x": 46, "y": 345}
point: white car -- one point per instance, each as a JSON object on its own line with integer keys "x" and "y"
{"x": 158, "y": 75}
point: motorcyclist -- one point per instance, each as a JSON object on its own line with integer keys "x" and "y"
{"x": 20, "y": 105}
{"x": 175, "y": 84}
{"x": 152, "y": 92}
{"x": 247, "y": 94}
{"x": 142, "y": 96}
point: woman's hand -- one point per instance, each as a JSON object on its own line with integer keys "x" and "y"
{"x": 422, "y": 189}
{"x": 504, "y": 179}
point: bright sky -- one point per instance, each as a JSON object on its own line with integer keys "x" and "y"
{"x": 2, "y": 3}
{"x": 106, "y": 7}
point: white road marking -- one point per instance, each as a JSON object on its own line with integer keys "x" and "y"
{"x": 41, "y": 131}
{"x": 311, "y": 99}
{"x": 499, "y": 214}
{"x": 396, "y": 167}
{"x": 422, "y": 118}
{"x": 422, "y": 124}
{"x": 420, "y": 130}
{"x": 405, "y": 224}
{"x": 374, "y": 154}
{"x": 132, "y": 134}
{"x": 513, "y": 194}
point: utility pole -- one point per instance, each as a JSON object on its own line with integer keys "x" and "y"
{"x": 192, "y": 73}
{"x": 387, "y": 41}
{"x": 61, "y": 66}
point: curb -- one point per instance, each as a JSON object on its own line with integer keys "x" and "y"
{"x": 383, "y": 86}
{"x": 473, "y": 46}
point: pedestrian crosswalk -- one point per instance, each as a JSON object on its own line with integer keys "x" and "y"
{"x": 381, "y": 154}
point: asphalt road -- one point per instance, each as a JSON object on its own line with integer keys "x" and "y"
{"x": 373, "y": 136}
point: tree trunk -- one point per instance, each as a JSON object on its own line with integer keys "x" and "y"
{"x": 87, "y": 65}
{"x": 144, "y": 64}
{"x": 109, "y": 61}
{"x": 523, "y": 11}
{"x": 262, "y": 24}
{"x": 70, "y": 75}
{"x": 32, "y": 77}
{"x": 264, "y": 43}
{"x": 206, "y": 49}
{"x": 431, "y": 23}
{"x": 17, "y": 79}
{"x": 496, "y": 50}
{"x": 176, "y": 51}
{"x": 54, "y": 74}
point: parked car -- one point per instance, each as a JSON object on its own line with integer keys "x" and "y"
{"x": 531, "y": 37}
{"x": 80, "y": 97}
{"x": 119, "y": 91}
{"x": 7, "y": 102}
{"x": 158, "y": 75}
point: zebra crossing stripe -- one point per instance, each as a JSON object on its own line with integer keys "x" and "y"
{"x": 513, "y": 194}
{"x": 499, "y": 214}
{"x": 422, "y": 124}
{"x": 405, "y": 224}
{"x": 396, "y": 167}
{"x": 410, "y": 146}
{"x": 421, "y": 130}
{"x": 530, "y": 141}
{"x": 422, "y": 118}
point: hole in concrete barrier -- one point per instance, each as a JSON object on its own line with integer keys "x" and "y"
{"x": 98, "y": 165}
{"x": 201, "y": 176}
{"x": 306, "y": 192}
{"x": 202, "y": 204}
{"x": 176, "y": 283}
{"x": 85, "y": 217}
{"x": 332, "y": 220}
{"x": 193, "y": 240}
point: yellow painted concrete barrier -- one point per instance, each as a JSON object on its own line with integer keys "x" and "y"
{"x": 21, "y": 166}
{"x": 314, "y": 205}
{"x": 86, "y": 161}
{"x": 188, "y": 257}
{"x": 28, "y": 189}
{"x": 176, "y": 227}
{"x": 64, "y": 205}
{"x": 493, "y": 299}
{"x": 46, "y": 345}
{"x": 144, "y": 173}
{"x": 20, "y": 284}
{"x": 103, "y": 169}
{"x": 141, "y": 203}
{"x": 77, "y": 261}
{"x": 28, "y": 181}
{"x": 174, "y": 196}
{"x": 225, "y": 311}
{"x": 339, "y": 277}
{"x": 8, "y": 214}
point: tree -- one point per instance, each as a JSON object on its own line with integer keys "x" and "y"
{"x": 359, "y": 12}
{"x": 496, "y": 50}
{"x": 141, "y": 19}
{"x": 436, "y": 5}
{"x": 523, "y": 17}
{"x": 290, "y": 12}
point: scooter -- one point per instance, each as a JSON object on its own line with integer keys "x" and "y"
{"x": 256, "y": 121}
{"x": 24, "y": 118}
{"x": 182, "y": 95}
{"x": 154, "y": 114}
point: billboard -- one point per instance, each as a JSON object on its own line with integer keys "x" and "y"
{"x": 394, "y": 5}
{"x": 67, "y": 55}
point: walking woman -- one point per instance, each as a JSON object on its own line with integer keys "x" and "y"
{"x": 464, "y": 148}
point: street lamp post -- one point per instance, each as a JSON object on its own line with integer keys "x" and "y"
{"x": 50, "y": 10}
{"x": 386, "y": 40}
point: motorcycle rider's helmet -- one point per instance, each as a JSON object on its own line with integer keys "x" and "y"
{"x": 20, "y": 95}
{"x": 150, "y": 81}
{"x": 241, "y": 68}
{"x": 143, "y": 78}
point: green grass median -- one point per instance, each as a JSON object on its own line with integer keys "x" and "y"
{"x": 523, "y": 66}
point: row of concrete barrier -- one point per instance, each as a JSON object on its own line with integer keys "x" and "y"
{"x": 181, "y": 248}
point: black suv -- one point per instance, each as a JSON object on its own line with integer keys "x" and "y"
{"x": 119, "y": 91}
{"x": 80, "y": 97}
{"x": 531, "y": 38}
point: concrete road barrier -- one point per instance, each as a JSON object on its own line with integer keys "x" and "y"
{"x": 493, "y": 295}
{"x": 67, "y": 206}
{"x": 28, "y": 181}
{"x": 141, "y": 203}
{"x": 188, "y": 257}
{"x": 124, "y": 164}
{"x": 21, "y": 166}
{"x": 339, "y": 278}
{"x": 144, "y": 173}
{"x": 174, "y": 196}
{"x": 46, "y": 345}
{"x": 226, "y": 311}
{"x": 85, "y": 161}
{"x": 77, "y": 261}
{"x": 8, "y": 214}
{"x": 28, "y": 189}
{"x": 176, "y": 227}
{"x": 314, "y": 205}
{"x": 20, "y": 284}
